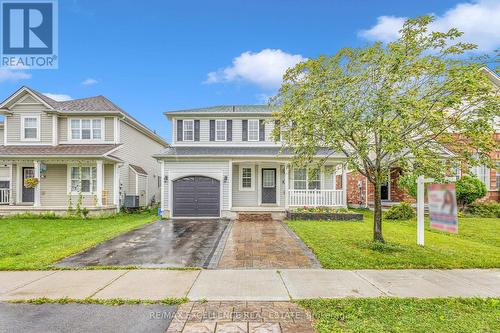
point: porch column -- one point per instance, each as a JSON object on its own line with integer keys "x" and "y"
{"x": 230, "y": 184}
{"x": 162, "y": 187}
{"x": 287, "y": 185}
{"x": 116, "y": 187}
{"x": 11, "y": 181}
{"x": 36, "y": 201}
{"x": 344, "y": 185}
{"x": 99, "y": 170}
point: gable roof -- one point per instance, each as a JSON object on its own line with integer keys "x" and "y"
{"x": 96, "y": 104}
{"x": 225, "y": 109}
{"x": 138, "y": 169}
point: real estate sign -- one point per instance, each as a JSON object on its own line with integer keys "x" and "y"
{"x": 443, "y": 207}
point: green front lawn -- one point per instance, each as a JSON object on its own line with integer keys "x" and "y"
{"x": 38, "y": 243}
{"x": 405, "y": 315}
{"x": 348, "y": 245}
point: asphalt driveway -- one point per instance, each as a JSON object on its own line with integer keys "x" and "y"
{"x": 54, "y": 318}
{"x": 171, "y": 243}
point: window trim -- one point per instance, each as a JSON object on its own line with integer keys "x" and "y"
{"x": 38, "y": 120}
{"x": 70, "y": 131}
{"x": 307, "y": 180}
{"x": 252, "y": 175}
{"x": 184, "y": 121}
{"x": 69, "y": 179}
{"x": 225, "y": 129}
{"x": 487, "y": 180}
{"x": 258, "y": 129}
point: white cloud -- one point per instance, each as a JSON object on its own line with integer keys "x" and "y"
{"x": 89, "y": 82}
{"x": 478, "y": 20}
{"x": 264, "y": 68}
{"x": 386, "y": 29}
{"x": 13, "y": 75}
{"x": 58, "y": 97}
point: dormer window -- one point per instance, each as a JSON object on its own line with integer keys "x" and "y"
{"x": 220, "y": 130}
{"x": 86, "y": 129}
{"x": 188, "y": 130}
{"x": 253, "y": 130}
{"x": 30, "y": 128}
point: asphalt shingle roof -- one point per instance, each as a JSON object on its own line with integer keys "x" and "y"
{"x": 234, "y": 151}
{"x": 138, "y": 169}
{"x": 60, "y": 150}
{"x": 227, "y": 109}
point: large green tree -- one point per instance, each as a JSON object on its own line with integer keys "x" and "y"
{"x": 417, "y": 103}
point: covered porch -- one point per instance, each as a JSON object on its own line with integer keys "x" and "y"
{"x": 58, "y": 185}
{"x": 275, "y": 186}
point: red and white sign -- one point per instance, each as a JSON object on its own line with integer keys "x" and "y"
{"x": 443, "y": 207}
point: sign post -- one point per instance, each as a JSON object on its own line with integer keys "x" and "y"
{"x": 421, "y": 180}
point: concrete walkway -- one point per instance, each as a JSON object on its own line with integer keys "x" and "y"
{"x": 248, "y": 285}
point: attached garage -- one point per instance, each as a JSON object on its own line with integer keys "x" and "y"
{"x": 196, "y": 196}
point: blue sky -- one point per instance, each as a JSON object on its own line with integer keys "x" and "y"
{"x": 152, "y": 56}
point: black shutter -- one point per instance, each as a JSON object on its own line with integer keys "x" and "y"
{"x": 262, "y": 130}
{"x": 229, "y": 130}
{"x": 179, "y": 130}
{"x": 212, "y": 130}
{"x": 244, "y": 133}
{"x": 196, "y": 130}
{"x": 276, "y": 125}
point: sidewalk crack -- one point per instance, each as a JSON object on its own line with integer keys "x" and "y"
{"x": 284, "y": 284}
{"x": 110, "y": 282}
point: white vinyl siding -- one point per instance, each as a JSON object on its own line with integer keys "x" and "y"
{"x": 237, "y": 131}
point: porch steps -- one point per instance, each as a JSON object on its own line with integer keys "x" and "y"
{"x": 255, "y": 217}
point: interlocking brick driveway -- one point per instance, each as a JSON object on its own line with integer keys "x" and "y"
{"x": 241, "y": 317}
{"x": 264, "y": 245}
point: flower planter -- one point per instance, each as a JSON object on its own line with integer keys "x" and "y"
{"x": 325, "y": 216}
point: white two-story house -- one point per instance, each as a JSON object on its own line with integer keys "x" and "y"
{"x": 223, "y": 160}
{"x": 54, "y": 155}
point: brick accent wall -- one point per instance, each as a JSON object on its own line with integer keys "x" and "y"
{"x": 356, "y": 189}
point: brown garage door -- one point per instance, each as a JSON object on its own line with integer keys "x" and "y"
{"x": 196, "y": 196}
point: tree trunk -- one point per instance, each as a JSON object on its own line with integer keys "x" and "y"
{"x": 377, "y": 216}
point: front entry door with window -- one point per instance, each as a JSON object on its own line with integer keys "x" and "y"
{"x": 269, "y": 186}
{"x": 28, "y": 193}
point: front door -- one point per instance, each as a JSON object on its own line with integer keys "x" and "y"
{"x": 269, "y": 186}
{"x": 384, "y": 191}
{"x": 28, "y": 193}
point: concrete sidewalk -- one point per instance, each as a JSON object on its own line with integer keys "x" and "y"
{"x": 248, "y": 285}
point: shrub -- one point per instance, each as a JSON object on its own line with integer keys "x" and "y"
{"x": 320, "y": 209}
{"x": 402, "y": 211}
{"x": 41, "y": 216}
{"x": 85, "y": 212}
{"x": 469, "y": 189}
{"x": 486, "y": 209}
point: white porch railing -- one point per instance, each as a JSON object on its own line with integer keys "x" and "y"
{"x": 315, "y": 198}
{"x": 4, "y": 196}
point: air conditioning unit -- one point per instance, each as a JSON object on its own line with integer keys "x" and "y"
{"x": 131, "y": 201}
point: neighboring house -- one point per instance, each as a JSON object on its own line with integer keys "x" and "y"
{"x": 223, "y": 160}
{"x": 85, "y": 146}
{"x": 358, "y": 188}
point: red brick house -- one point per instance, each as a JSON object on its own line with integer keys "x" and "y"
{"x": 359, "y": 189}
